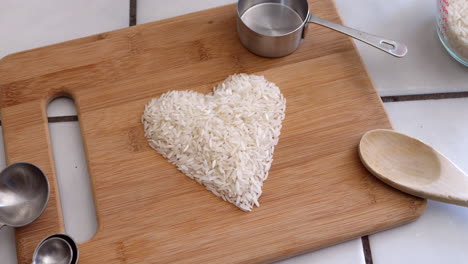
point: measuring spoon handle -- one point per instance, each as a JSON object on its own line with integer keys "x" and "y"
{"x": 392, "y": 47}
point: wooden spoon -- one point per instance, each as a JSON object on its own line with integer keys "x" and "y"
{"x": 413, "y": 167}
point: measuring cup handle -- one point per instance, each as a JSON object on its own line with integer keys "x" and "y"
{"x": 392, "y": 47}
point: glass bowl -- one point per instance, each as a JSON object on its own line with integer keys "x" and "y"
{"x": 451, "y": 41}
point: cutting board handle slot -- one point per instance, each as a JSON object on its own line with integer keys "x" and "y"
{"x": 79, "y": 215}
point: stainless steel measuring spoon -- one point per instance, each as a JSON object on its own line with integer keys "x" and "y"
{"x": 56, "y": 248}
{"x": 53, "y": 250}
{"x": 275, "y": 28}
{"x": 24, "y": 193}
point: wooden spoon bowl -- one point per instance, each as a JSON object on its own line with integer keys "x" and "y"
{"x": 413, "y": 167}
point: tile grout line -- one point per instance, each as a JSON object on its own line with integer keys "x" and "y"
{"x": 385, "y": 99}
{"x": 133, "y": 13}
{"x": 367, "y": 250}
{"x": 421, "y": 97}
{"x": 56, "y": 119}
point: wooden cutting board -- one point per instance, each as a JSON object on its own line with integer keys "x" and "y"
{"x": 317, "y": 194}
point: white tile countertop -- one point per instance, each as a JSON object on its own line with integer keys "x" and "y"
{"x": 426, "y": 95}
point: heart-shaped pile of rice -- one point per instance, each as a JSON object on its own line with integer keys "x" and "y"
{"x": 225, "y": 139}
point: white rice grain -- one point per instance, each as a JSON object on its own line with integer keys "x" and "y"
{"x": 223, "y": 140}
{"x": 457, "y": 26}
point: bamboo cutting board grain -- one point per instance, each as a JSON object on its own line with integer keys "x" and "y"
{"x": 317, "y": 194}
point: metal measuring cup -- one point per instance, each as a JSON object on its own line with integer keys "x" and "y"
{"x": 275, "y": 28}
